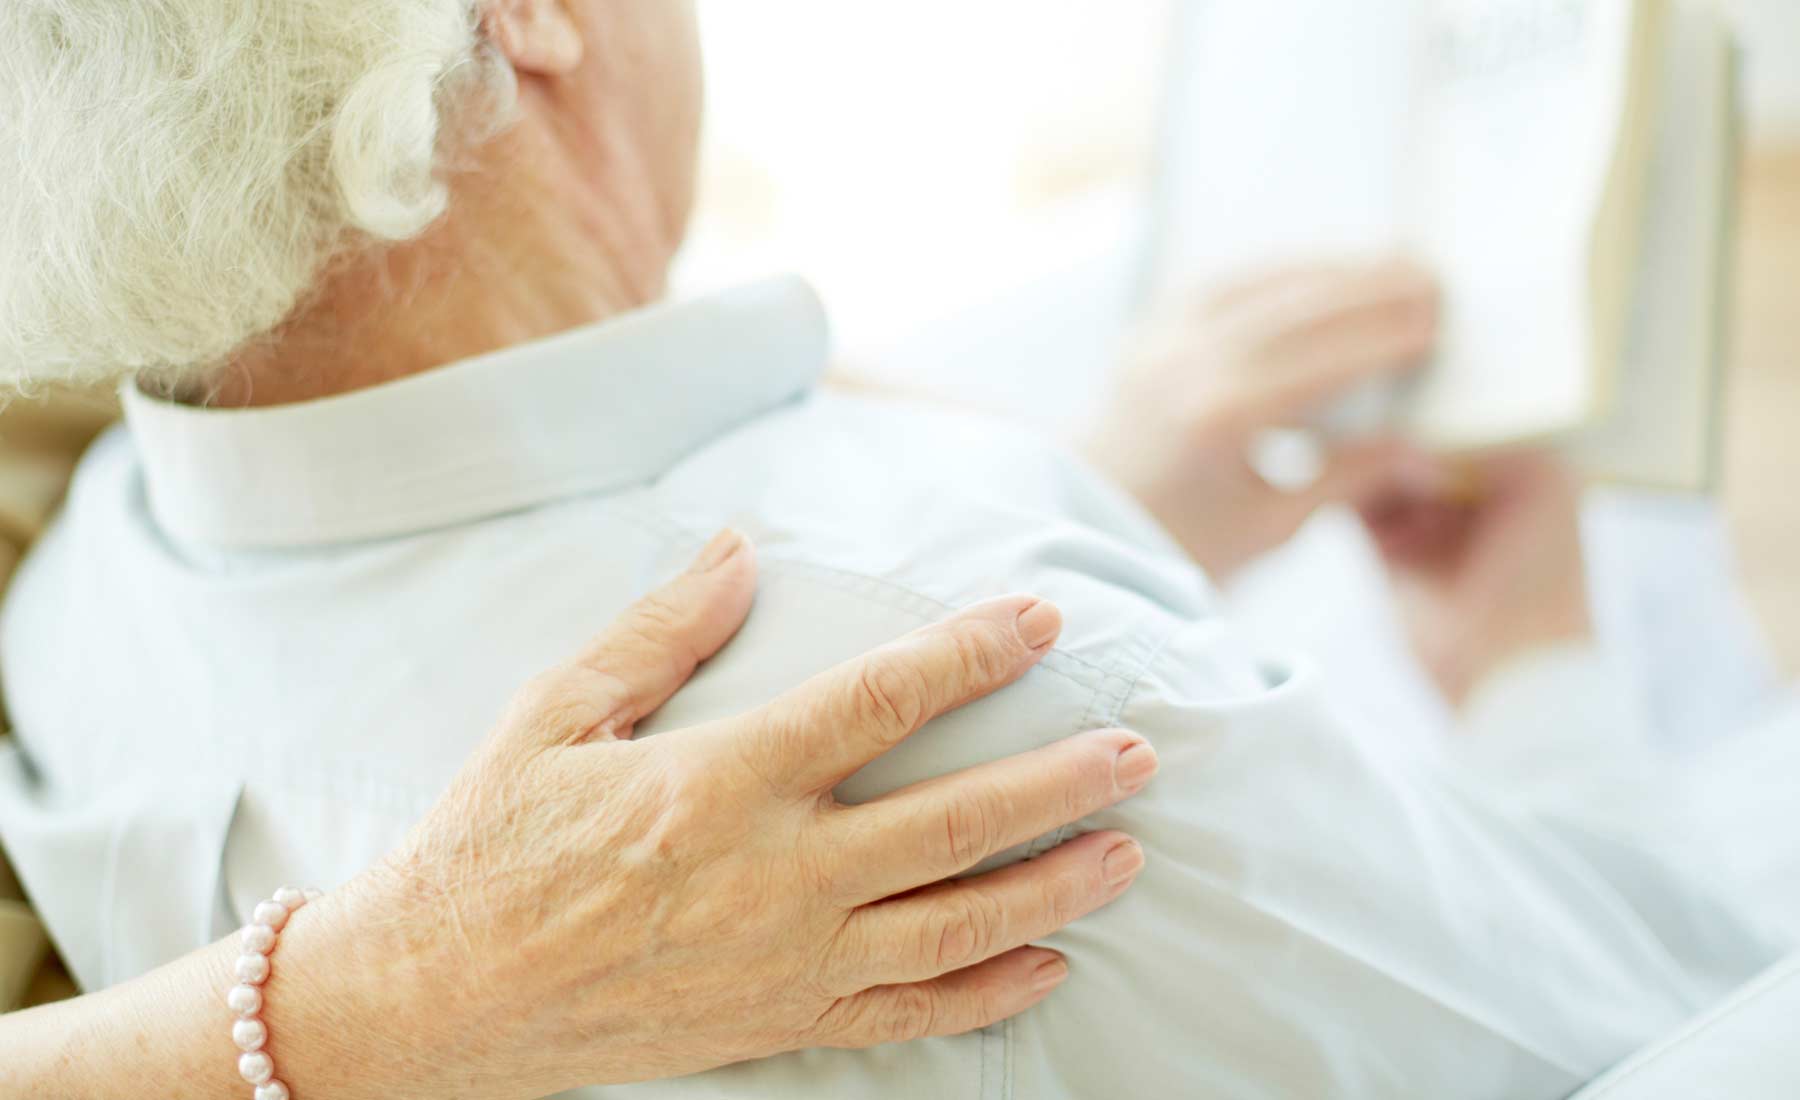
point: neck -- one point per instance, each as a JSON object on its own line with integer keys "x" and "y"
{"x": 506, "y": 266}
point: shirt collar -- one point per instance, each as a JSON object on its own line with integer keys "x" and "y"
{"x": 590, "y": 410}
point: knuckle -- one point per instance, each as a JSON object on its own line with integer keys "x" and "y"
{"x": 657, "y": 615}
{"x": 592, "y": 700}
{"x": 969, "y": 830}
{"x": 914, "y": 1012}
{"x": 554, "y": 704}
{"x": 891, "y": 697}
{"x": 965, "y": 934}
{"x": 847, "y": 1023}
{"x": 660, "y": 629}
{"x": 984, "y": 651}
{"x": 606, "y": 698}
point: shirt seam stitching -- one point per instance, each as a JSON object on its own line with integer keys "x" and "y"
{"x": 855, "y": 583}
{"x": 1089, "y": 719}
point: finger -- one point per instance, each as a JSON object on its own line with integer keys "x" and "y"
{"x": 811, "y": 739}
{"x": 634, "y": 665}
{"x": 1254, "y": 285}
{"x": 1289, "y": 302}
{"x": 941, "y": 827}
{"x": 957, "y": 924}
{"x": 1361, "y": 473}
{"x": 950, "y": 1005}
{"x": 1326, "y": 337}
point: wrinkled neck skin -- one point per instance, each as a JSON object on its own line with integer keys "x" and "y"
{"x": 543, "y": 234}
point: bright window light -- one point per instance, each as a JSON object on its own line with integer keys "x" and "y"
{"x": 911, "y": 159}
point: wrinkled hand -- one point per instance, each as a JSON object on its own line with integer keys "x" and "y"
{"x": 1486, "y": 563}
{"x": 584, "y": 908}
{"x": 1202, "y": 381}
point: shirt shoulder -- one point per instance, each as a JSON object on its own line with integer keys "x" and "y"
{"x": 873, "y": 517}
{"x": 943, "y": 508}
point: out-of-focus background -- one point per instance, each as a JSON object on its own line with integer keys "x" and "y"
{"x": 1763, "y": 400}
{"x": 917, "y": 160}
{"x": 968, "y": 185}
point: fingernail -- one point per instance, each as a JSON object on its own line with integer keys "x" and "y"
{"x": 718, "y": 551}
{"x": 1125, "y": 860}
{"x": 1039, "y": 624}
{"x": 1134, "y": 767}
{"x": 1049, "y": 975}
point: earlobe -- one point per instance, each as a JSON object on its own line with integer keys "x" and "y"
{"x": 536, "y": 36}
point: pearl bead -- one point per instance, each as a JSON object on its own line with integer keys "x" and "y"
{"x": 259, "y": 938}
{"x": 256, "y": 1067}
{"x": 274, "y": 1090}
{"x": 249, "y": 1034}
{"x": 314, "y": 894}
{"x": 246, "y": 1000}
{"x": 272, "y": 913}
{"x": 252, "y": 969}
{"x": 290, "y": 897}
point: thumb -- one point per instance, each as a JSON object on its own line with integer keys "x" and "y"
{"x": 634, "y": 665}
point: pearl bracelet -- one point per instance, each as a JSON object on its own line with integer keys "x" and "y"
{"x": 246, "y": 998}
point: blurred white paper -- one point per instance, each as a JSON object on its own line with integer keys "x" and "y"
{"x": 1525, "y": 150}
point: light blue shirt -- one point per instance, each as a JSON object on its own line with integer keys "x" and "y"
{"x": 259, "y": 644}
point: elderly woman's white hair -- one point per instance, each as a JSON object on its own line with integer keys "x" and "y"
{"x": 177, "y": 172}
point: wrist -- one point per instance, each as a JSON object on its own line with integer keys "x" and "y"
{"x": 357, "y": 1009}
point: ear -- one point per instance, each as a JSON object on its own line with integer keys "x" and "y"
{"x": 537, "y": 36}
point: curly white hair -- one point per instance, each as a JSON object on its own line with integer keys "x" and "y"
{"x": 174, "y": 174}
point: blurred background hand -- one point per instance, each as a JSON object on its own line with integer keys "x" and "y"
{"x": 1203, "y": 379}
{"x": 1485, "y": 559}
